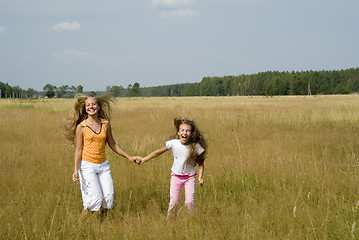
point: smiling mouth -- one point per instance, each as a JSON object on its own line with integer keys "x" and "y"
{"x": 91, "y": 110}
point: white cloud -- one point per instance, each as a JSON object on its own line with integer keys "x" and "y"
{"x": 171, "y": 3}
{"x": 179, "y": 13}
{"x": 2, "y": 30}
{"x": 66, "y": 26}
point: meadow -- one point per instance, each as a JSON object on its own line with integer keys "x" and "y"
{"x": 276, "y": 168}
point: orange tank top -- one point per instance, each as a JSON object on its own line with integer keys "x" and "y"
{"x": 93, "y": 149}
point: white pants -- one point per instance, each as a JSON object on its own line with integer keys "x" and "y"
{"x": 96, "y": 185}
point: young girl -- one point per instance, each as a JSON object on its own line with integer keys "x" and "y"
{"x": 188, "y": 148}
{"x": 89, "y": 128}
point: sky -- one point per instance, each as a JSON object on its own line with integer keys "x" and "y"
{"x": 160, "y": 42}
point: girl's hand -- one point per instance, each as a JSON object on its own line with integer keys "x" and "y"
{"x": 75, "y": 177}
{"x": 143, "y": 160}
{"x": 139, "y": 160}
{"x": 200, "y": 182}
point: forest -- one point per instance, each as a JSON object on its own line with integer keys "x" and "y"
{"x": 268, "y": 83}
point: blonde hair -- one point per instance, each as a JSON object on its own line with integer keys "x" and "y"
{"x": 78, "y": 112}
{"x": 196, "y": 138}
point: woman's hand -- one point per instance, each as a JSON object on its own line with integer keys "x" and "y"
{"x": 75, "y": 177}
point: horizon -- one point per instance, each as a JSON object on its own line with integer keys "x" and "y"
{"x": 188, "y": 82}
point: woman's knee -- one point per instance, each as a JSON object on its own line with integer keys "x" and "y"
{"x": 108, "y": 201}
{"x": 95, "y": 203}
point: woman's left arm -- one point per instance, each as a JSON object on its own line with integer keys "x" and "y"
{"x": 116, "y": 148}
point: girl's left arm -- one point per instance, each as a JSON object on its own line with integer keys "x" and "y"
{"x": 116, "y": 148}
{"x": 200, "y": 174}
{"x": 201, "y": 170}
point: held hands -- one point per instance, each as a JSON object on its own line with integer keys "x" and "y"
{"x": 143, "y": 160}
{"x": 137, "y": 159}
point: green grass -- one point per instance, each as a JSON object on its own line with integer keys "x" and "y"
{"x": 277, "y": 168}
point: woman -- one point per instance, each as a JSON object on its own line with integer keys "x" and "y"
{"x": 89, "y": 128}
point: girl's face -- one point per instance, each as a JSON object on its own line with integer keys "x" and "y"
{"x": 91, "y": 106}
{"x": 184, "y": 133}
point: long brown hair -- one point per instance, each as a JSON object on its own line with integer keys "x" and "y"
{"x": 196, "y": 138}
{"x": 78, "y": 112}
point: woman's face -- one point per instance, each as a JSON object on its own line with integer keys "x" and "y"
{"x": 184, "y": 133}
{"x": 91, "y": 106}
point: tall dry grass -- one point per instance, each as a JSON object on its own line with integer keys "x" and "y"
{"x": 277, "y": 168}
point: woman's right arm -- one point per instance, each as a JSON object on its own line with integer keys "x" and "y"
{"x": 154, "y": 154}
{"x": 78, "y": 152}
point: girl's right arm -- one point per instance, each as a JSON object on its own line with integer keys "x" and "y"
{"x": 78, "y": 152}
{"x": 154, "y": 154}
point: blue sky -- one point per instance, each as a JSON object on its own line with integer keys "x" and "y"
{"x": 159, "y": 42}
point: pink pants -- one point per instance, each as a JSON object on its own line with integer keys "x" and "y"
{"x": 177, "y": 181}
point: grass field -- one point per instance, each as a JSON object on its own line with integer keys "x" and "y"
{"x": 277, "y": 168}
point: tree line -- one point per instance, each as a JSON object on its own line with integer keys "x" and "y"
{"x": 7, "y": 91}
{"x": 268, "y": 83}
{"x": 49, "y": 91}
{"x": 65, "y": 91}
